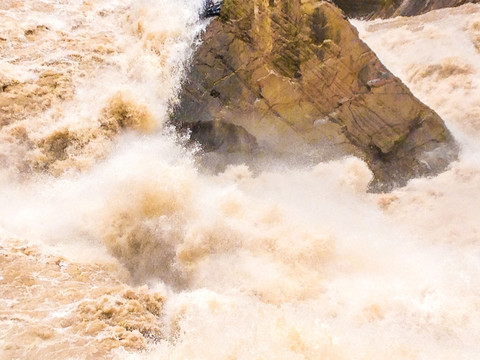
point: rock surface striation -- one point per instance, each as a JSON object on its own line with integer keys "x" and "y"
{"x": 293, "y": 77}
{"x": 391, "y": 8}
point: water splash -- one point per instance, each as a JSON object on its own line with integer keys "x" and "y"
{"x": 99, "y": 197}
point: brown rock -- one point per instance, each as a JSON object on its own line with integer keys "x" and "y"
{"x": 294, "y": 76}
{"x": 390, "y": 8}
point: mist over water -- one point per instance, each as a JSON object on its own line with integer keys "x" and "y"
{"x": 114, "y": 243}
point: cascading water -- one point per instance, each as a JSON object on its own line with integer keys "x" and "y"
{"x": 99, "y": 197}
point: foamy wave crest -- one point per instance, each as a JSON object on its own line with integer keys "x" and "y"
{"x": 114, "y": 243}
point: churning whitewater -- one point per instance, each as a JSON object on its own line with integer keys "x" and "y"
{"x": 115, "y": 243}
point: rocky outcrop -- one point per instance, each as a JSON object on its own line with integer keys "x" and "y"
{"x": 390, "y": 8}
{"x": 293, "y": 77}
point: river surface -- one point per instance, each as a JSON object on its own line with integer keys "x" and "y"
{"x": 116, "y": 244}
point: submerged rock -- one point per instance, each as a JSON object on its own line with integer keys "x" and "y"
{"x": 391, "y": 8}
{"x": 293, "y": 77}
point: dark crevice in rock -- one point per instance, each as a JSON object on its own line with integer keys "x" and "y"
{"x": 212, "y": 8}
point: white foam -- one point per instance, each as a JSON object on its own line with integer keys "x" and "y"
{"x": 286, "y": 264}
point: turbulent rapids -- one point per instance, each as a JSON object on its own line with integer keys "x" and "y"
{"x": 116, "y": 243}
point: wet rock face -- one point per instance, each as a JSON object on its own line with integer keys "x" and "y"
{"x": 212, "y": 8}
{"x": 293, "y": 77}
{"x": 364, "y": 8}
{"x": 391, "y": 8}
